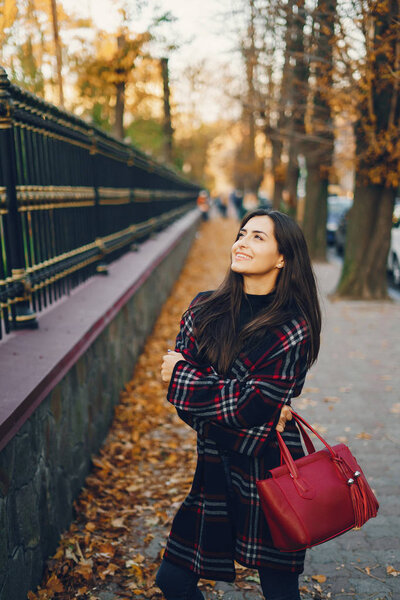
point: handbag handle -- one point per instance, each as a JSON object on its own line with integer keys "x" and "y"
{"x": 301, "y": 421}
{"x": 306, "y": 438}
{"x": 287, "y": 457}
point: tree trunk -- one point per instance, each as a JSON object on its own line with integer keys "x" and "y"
{"x": 167, "y": 125}
{"x": 315, "y": 210}
{"x": 292, "y": 178}
{"x": 277, "y": 197}
{"x": 367, "y": 243}
{"x": 278, "y": 172}
{"x": 250, "y": 168}
{"x": 57, "y": 45}
{"x": 118, "y": 128}
{"x": 319, "y": 154}
{"x": 370, "y": 219}
{"x": 297, "y": 100}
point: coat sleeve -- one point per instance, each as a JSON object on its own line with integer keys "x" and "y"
{"x": 185, "y": 343}
{"x": 257, "y": 399}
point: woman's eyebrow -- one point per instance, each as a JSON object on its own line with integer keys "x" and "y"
{"x": 254, "y": 231}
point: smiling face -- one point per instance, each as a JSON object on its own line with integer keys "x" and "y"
{"x": 256, "y": 256}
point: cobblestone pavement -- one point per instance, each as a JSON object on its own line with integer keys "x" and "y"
{"x": 353, "y": 392}
{"x": 351, "y": 395}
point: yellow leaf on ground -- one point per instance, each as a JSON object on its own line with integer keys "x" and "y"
{"x": 331, "y": 399}
{"x": 54, "y": 584}
{"x": 84, "y": 569}
{"x": 364, "y": 435}
{"x": 118, "y": 522}
{"x": 392, "y": 571}
{"x": 319, "y": 578}
{"x": 107, "y": 549}
{"x": 109, "y": 570}
{"x": 139, "y": 559}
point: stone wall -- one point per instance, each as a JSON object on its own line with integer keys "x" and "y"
{"x": 45, "y": 464}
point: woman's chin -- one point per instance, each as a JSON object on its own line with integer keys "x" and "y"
{"x": 239, "y": 268}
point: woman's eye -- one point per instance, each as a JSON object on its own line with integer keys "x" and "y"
{"x": 258, "y": 237}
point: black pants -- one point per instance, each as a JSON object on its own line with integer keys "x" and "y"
{"x": 179, "y": 584}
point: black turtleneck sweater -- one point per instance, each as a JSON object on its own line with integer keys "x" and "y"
{"x": 251, "y": 305}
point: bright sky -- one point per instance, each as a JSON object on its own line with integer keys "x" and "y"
{"x": 200, "y": 22}
{"x": 200, "y": 29}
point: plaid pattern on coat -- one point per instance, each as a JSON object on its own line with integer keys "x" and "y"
{"x": 235, "y": 416}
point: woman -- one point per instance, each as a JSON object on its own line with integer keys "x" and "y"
{"x": 241, "y": 356}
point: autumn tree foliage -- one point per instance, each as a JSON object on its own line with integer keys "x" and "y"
{"x": 105, "y": 72}
{"x": 31, "y": 45}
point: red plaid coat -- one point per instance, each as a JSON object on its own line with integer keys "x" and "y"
{"x": 234, "y": 416}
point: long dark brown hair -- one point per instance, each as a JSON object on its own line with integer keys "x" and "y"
{"x": 216, "y": 315}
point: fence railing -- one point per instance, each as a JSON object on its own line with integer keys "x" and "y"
{"x": 72, "y": 198}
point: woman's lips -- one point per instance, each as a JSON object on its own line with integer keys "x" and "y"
{"x": 241, "y": 256}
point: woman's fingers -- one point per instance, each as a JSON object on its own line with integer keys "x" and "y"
{"x": 168, "y": 364}
{"x": 286, "y": 415}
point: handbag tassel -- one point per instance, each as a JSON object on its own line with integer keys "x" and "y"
{"x": 361, "y": 496}
{"x": 363, "y": 502}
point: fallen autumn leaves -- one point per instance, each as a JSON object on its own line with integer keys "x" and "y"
{"x": 145, "y": 467}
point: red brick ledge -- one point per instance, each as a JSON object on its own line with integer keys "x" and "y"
{"x": 32, "y": 362}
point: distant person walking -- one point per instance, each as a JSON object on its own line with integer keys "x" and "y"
{"x": 220, "y": 203}
{"x": 241, "y": 355}
{"x": 203, "y": 204}
{"x": 236, "y": 198}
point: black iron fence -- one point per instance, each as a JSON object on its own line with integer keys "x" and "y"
{"x": 72, "y": 198}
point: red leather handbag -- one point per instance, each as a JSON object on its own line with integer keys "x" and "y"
{"x": 314, "y": 498}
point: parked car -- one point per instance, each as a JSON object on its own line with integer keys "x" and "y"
{"x": 393, "y": 264}
{"x": 337, "y": 205}
{"x": 340, "y": 235}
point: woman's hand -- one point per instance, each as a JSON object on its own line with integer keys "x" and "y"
{"x": 286, "y": 415}
{"x": 168, "y": 364}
